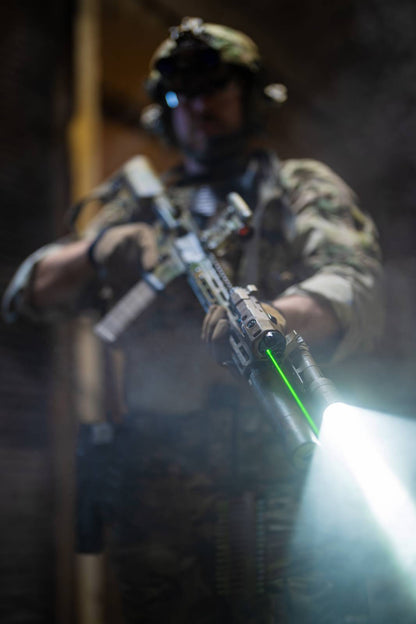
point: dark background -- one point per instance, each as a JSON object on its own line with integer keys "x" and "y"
{"x": 350, "y": 69}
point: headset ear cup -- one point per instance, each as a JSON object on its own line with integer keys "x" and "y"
{"x": 261, "y": 102}
{"x": 151, "y": 118}
{"x": 155, "y": 119}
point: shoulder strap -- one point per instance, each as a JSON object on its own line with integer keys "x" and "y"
{"x": 270, "y": 190}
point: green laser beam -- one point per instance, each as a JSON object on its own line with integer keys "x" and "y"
{"x": 293, "y": 392}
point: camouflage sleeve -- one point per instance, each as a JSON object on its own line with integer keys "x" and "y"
{"x": 15, "y": 302}
{"x": 111, "y": 203}
{"x": 336, "y": 244}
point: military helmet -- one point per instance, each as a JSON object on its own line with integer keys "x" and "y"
{"x": 200, "y": 56}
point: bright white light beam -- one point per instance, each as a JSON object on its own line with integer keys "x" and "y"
{"x": 346, "y": 432}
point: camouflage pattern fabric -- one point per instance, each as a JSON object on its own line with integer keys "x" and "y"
{"x": 200, "y": 500}
{"x": 233, "y": 47}
{"x": 189, "y": 546}
{"x": 313, "y": 239}
{"x": 336, "y": 248}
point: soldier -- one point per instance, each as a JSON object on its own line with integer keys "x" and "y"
{"x": 200, "y": 499}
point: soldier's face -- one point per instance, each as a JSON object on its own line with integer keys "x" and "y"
{"x": 199, "y": 120}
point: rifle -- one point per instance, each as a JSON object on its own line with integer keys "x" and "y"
{"x": 280, "y": 369}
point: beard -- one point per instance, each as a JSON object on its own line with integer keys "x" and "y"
{"x": 218, "y": 152}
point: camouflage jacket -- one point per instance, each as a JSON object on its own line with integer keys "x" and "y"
{"x": 310, "y": 238}
{"x": 198, "y": 461}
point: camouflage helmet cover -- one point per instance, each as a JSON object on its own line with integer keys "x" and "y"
{"x": 233, "y": 47}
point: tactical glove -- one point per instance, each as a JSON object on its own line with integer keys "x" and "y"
{"x": 123, "y": 252}
{"x": 216, "y": 329}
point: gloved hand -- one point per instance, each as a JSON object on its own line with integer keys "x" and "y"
{"x": 123, "y": 252}
{"x": 216, "y": 329}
